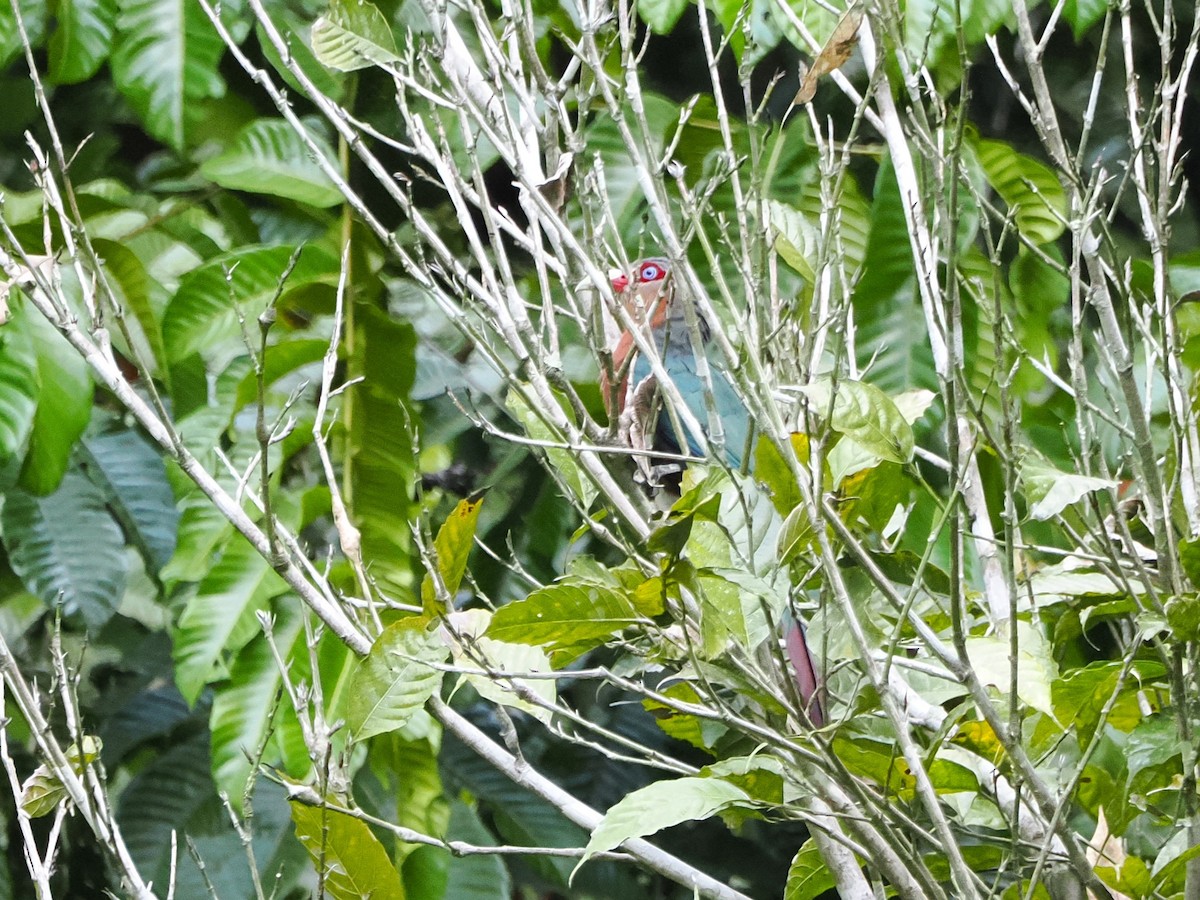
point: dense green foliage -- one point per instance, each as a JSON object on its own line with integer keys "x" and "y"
{"x": 213, "y": 248}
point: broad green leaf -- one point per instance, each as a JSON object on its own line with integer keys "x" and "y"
{"x": 1083, "y": 14}
{"x": 282, "y": 359}
{"x": 761, "y": 776}
{"x": 203, "y": 315}
{"x": 1082, "y": 695}
{"x": 661, "y": 15}
{"x": 43, "y": 791}
{"x": 864, "y": 413}
{"x": 164, "y": 58}
{"x": 163, "y": 797}
{"x": 878, "y": 761}
{"x": 1050, "y": 491}
{"x": 520, "y": 816}
{"x": 506, "y": 660}
{"x": 223, "y": 608}
{"x": 355, "y": 864}
{"x": 702, "y": 733}
{"x": 914, "y": 404}
{"x": 888, "y": 263}
{"x": 775, "y": 473}
{"x": 1036, "y": 670}
{"x": 243, "y": 705}
{"x": 564, "y": 461}
{"x": 202, "y": 532}
{"x": 136, "y": 292}
{"x": 568, "y": 613}
{"x": 872, "y": 495}
{"x": 660, "y": 805}
{"x": 18, "y": 394}
{"x": 394, "y": 681}
{"x": 795, "y": 535}
{"x": 134, "y": 479}
{"x": 406, "y": 764}
{"x": 1170, "y": 867}
{"x": 1189, "y": 560}
{"x": 64, "y": 404}
{"x": 269, "y": 157}
{"x": 1030, "y": 189}
{"x": 67, "y": 549}
{"x": 1153, "y": 742}
{"x": 849, "y": 226}
{"x": 354, "y": 34}
{"x": 298, "y": 36}
{"x": 34, "y": 14}
{"x": 808, "y": 876}
{"x": 452, "y": 545}
{"x": 381, "y": 460}
{"x": 476, "y": 877}
{"x": 1054, "y": 584}
{"x": 81, "y": 40}
{"x": 795, "y": 239}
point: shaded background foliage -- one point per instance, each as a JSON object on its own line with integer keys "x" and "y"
{"x": 194, "y": 191}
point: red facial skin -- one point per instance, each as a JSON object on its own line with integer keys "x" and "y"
{"x": 646, "y": 290}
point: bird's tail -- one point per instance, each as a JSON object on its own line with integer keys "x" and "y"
{"x": 804, "y": 672}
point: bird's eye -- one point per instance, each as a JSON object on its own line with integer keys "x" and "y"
{"x": 650, "y": 272}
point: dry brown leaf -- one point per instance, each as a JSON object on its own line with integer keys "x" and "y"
{"x": 833, "y": 55}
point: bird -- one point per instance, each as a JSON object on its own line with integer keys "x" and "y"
{"x": 648, "y": 294}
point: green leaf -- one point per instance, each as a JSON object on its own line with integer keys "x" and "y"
{"x": 224, "y": 607}
{"x": 243, "y": 705}
{"x": 507, "y": 661}
{"x": 661, "y": 15}
{"x": 67, "y": 549}
{"x": 564, "y": 461}
{"x": 1050, "y": 491}
{"x": 355, "y": 864}
{"x": 164, "y": 58}
{"x": 848, "y": 226}
{"x": 81, "y": 40}
{"x": 1083, "y": 14}
{"x": 888, "y": 263}
{"x": 163, "y": 797}
{"x": 1152, "y": 743}
{"x": 702, "y": 733}
{"x": 18, "y": 393}
{"x": 282, "y": 359}
{"x": 475, "y": 877}
{"x": 34, "y": 14}
{"x": 64, "y": 404}
{"x": 381, "y": 447}
{"x": 133, "y": 477}
{"x": 202, "y": 316}
{"x": 269, "y": 157}
{"x": 990, "y": 658}
{"x": 135, "y": 291}
{"x": 1031, "y": 190}
{"x": 865, "y": 414}
{"x": 393, "y": 682}
{"x": 453, "y": 546}
{"x": 1189, "y": 559}
{"x": 42, "y": 791}
{"x": 295, "y": 32}
{"x": 660, "y": 805}
{"x": 354, "y": 34}
{"x": 568, "y": 613}
{"x": 202, "y": 532}
{"x": 795, "y": 238}
{"x": 808, "y": 876}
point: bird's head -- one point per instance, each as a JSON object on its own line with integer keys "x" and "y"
{"x": 646, "y": 292}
